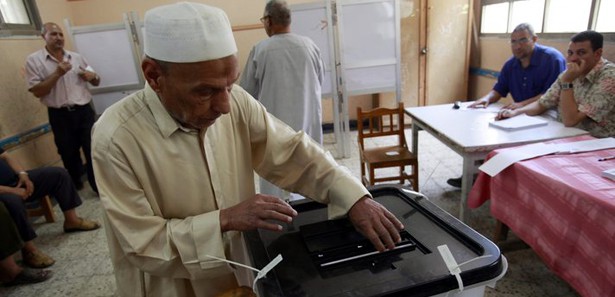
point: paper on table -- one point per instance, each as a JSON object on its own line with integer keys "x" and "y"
{"x": 586, "y": 145}
{"x": 504, "y": 159}
{"x": 521, "y": 121}
{"x": 609, "y": 173}
{"x": 508, "y": 157}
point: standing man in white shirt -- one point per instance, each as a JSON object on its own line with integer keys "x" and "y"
{"x": 59, "y": 78}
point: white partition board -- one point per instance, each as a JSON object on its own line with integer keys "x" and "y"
{"x": 312, "y": 20}
{"x": 369, "y": 43}
{"x": 110, "y": 53}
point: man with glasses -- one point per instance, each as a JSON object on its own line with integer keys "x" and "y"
{"x": 584, "y": 93}
{"x": 526, "y": 75}
{"x": 285, "y": 72}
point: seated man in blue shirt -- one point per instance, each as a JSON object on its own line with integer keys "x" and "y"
{"x": 526, "y": 75}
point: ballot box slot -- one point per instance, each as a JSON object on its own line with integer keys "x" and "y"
{"x": 332, "y": 243}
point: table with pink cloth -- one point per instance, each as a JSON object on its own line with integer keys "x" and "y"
{"x": 563, "y": 208}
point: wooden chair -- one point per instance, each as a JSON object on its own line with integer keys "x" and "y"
{"x": 381, "y": 122}
{"x": 41, "y": 208}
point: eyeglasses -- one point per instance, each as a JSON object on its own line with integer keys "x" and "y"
{"x": 523, "y": 40}
{"x": 264, "y": 18}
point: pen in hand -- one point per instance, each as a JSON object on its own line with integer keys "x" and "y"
{"x": 606, "y": 158}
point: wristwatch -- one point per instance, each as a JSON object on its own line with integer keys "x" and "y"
{"x": 566, "y": 86}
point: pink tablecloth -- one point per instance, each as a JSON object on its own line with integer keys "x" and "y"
{"x": 561, "y": 207}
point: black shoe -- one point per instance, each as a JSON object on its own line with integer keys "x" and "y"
{"x": 79, "y": 186}
{"x": 455, "y": 182}
{"x": 29, "y": 276}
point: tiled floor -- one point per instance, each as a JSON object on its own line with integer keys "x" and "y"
{"x": 83, "y": 268}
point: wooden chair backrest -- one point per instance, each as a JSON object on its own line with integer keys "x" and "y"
{"x": 381, "y": 122}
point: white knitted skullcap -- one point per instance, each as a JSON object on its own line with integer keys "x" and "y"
{"x": 188, "y": 32}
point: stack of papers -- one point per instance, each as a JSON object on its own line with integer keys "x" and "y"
{"x": 609, "y": 173}
{"x": 521, "y": 121}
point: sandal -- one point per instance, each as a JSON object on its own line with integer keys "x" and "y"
{"x": 37, "y": 259}
{"x": 29, "y": 276}
{"x": 84, "y": 225}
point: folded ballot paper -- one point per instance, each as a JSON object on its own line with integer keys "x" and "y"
{"x": 508, "y": 157}
{"x": 521, "y": 121}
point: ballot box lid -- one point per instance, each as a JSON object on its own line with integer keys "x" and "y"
{"x": 416, "y": 271}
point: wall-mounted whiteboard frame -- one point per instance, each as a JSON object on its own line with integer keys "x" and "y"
{"x": 114, "y": 51}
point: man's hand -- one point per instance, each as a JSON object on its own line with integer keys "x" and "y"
{"x": 573, "y": 71}
{"x": 506, "y": 113}
{"x": 480, "y": 103}
{"x": 25, "y": 183}
{"x": 255, "y": 212}
{"x": 63, "y": 67}
{"x": 87, "y": 75}
{"x": 21, "y": 192}
{"x": 376, "y": 223}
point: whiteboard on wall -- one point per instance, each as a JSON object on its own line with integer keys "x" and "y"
{"x": 113, "y": 51}
{"x": 109, "y": 49}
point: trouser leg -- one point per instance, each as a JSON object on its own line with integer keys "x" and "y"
{"x": 55, "y": 182}
{"x": 62, "y": 126}
{"x": 17, "y": 209}
{"x": 11, "y": 241}
{"x": 86, "y": 122}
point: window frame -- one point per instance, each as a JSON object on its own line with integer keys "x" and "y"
{"x": 591, "y": 23}
{"x": 34, "y": 28}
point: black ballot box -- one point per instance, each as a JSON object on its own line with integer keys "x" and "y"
{"x": 325, "y": 258}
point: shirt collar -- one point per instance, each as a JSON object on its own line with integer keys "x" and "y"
{"x": 594, "y": 74}
{"x": 48, "y": 55}
{"x": 166, "y": 123}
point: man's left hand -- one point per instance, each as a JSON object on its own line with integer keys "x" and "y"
{"x": 376, "y": 223}
{"x": 87, "y": 75}
{"x": 25, "y": 182}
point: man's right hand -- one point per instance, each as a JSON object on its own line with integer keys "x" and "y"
{"x": 63, "y": 67}
{"x": 256, "y": 213}
{"x": 21, "y": 192}
{"x": 480, "y": 103}
{"x": 506, "y": 113}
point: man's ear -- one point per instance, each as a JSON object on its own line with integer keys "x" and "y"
{"x": 152, "y": 73}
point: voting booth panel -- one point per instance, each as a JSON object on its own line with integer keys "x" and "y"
{"x": 360, "y": 43}
{"x": 327, "y": 258}
{"x": 312, "y": 20}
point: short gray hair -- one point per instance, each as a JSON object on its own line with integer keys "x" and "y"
{"x": 278, "y": 12}
{"x": 525, "y": 27}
